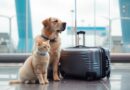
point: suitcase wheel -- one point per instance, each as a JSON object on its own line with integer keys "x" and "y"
{"x": 108, "y": 75}
{"x": 91, "y": 76}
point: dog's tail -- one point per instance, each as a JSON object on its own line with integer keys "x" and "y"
{"x": 15, "y": 82}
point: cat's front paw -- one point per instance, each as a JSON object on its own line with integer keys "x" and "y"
{"x": 46, "y": 81}
{"x": 33, "y": 81}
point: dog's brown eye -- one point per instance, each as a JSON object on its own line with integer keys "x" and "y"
{"x": 56, "y": 21}
{"x": 59, "y": 31}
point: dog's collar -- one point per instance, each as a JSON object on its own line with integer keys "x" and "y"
{"x": 51, "y": 40}
{"x": 42, "y": 53}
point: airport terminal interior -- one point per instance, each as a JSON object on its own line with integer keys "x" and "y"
{"x": 106, "y": 24}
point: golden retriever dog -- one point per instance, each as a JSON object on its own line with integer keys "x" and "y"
{"x": 36, "y": 66}
{"x": 51, "y": 31}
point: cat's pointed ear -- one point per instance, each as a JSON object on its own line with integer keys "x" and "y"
{"x": 38, "y": 43}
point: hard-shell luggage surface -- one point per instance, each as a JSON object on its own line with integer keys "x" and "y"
{"x": 90, "y": 63}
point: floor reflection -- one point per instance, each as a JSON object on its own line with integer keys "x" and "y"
{"x": 119, "y": 80}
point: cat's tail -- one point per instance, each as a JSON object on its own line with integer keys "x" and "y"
{"x": 15, "y": 82}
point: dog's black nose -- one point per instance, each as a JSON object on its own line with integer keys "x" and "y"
{"x": 63, "y": 26}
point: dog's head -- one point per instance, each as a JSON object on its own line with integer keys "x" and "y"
{"x": 54, "y": 25}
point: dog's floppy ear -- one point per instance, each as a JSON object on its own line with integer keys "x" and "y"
{"x": 46, "y": 22}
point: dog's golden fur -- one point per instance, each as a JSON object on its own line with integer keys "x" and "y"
{"x": 36, "y": 66}
{"x": 51, "y": 30}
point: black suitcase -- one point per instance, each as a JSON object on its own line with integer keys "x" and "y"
{"x": 90, "y": 63}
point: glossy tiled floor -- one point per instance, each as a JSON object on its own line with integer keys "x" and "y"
{"x": 119, "y": 80}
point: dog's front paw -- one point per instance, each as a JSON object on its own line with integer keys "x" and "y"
{"x": 42, "y": 83}
{"x": 56, "y": 78}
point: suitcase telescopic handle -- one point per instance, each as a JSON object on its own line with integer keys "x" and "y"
{"x": 83, "y": 33}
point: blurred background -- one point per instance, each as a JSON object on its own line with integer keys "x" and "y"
{"x": 106, "y": 23}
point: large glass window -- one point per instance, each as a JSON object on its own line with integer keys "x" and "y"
{"x": 104, "y": 21}
{"x": 8, "y": 27}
